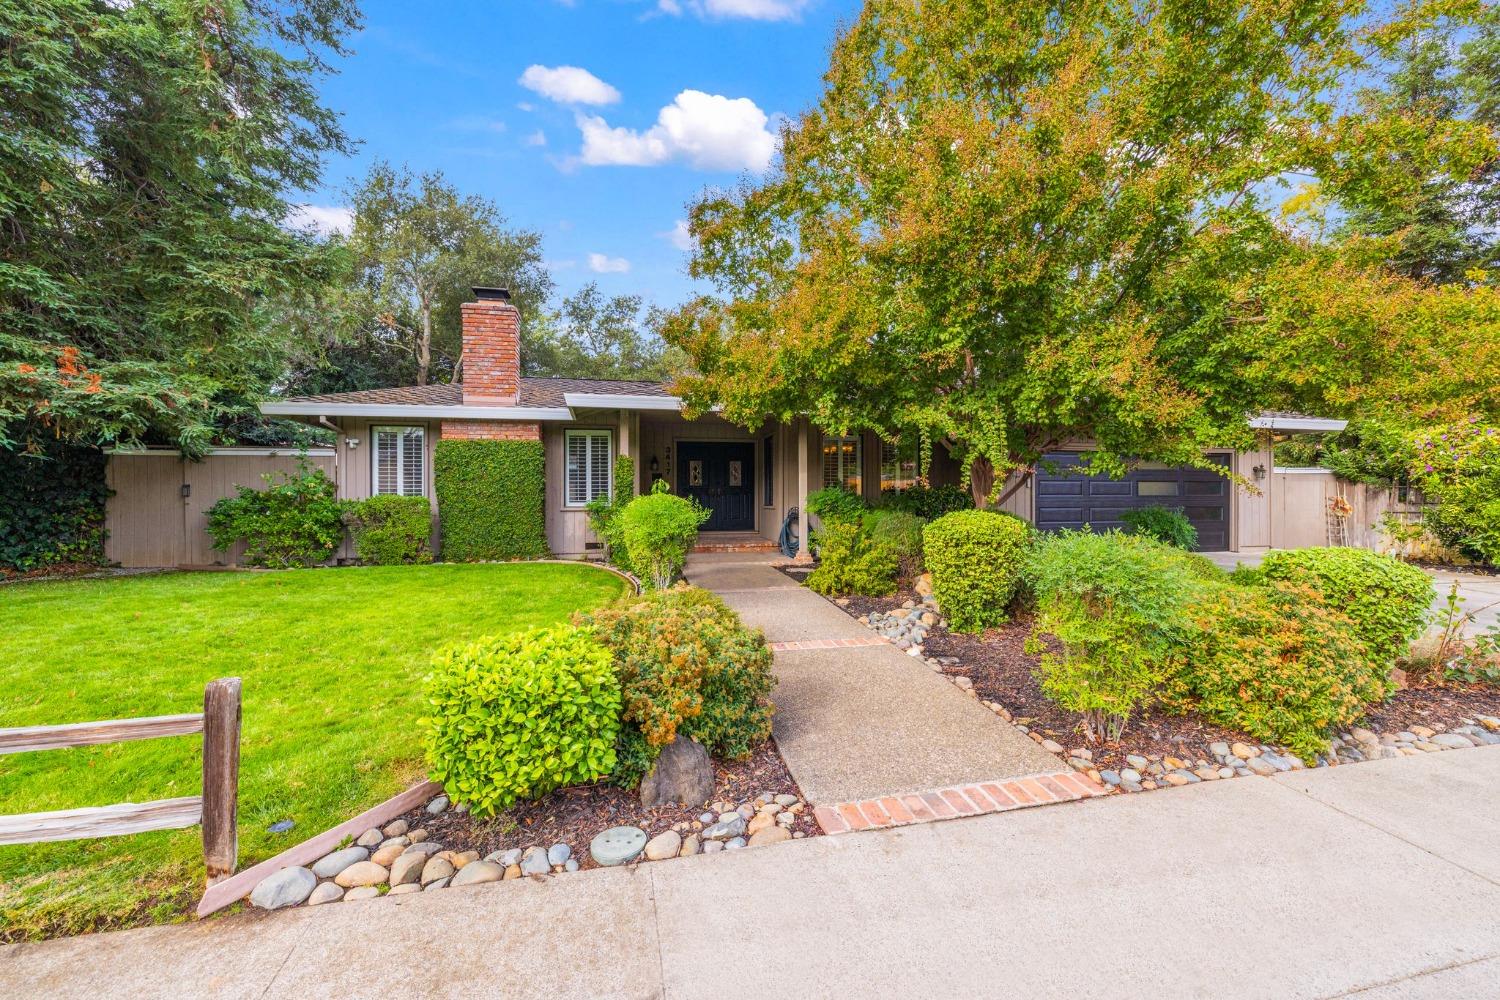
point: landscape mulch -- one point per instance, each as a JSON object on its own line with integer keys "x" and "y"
{"x": 1003, "y": 672}
{"x": 575, "y": 815}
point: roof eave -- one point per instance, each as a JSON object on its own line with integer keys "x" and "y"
{"x": 1286, "y": 423}
{"x": 312, "y": 408}
{"x": 620, "y": 401}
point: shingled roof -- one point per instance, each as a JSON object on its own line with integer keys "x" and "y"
{"x": 534, "y": 392}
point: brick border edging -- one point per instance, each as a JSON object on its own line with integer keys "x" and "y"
{"x": 956, "y": 801}
{"x": 791, "y": 644}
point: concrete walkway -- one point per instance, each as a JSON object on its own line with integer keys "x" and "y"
{"x": 865, "y": 721}
{"x": 1374, "y": 880}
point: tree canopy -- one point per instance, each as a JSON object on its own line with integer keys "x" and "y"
{"x": 1010, "y": 226}
{"x": 594, "y": 337}
{"x": 146, "y": 152}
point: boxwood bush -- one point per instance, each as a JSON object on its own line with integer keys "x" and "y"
{"x": 1387, "y": 599}
{"x": 687, "y": 666}
{"x": 516, "y": 716}
{"x": 1279, "y": 664}
{"x": 1119, "y": 607}
{"x": 297, "y": 520}
{"x": 491, "y": 497}
{"x": 975, "y": 560}
{"x": 391, "y": 530}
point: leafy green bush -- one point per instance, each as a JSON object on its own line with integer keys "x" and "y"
{"x": 297, "y": 520}
{"x": 604, "y": 514}
{"x": 1119, "y": 606}
{"x": 1278, "y": 664}
{"x": 975, "y": 560}
{"x": 1387, "y": 599}
{"x": 850, "y": 561}
{"x": 901, "y": 533}
{"x": 659, "y": 529}
{"x": 53, "y": 505}
{"x": 927, "y": 502}
{"x": 491, "y": 497}
{"x": 1458, "y": 467}
{"x": 686, "y": 666}
{"x": 516, "y": 716}
{"x": 391, "y": 530}
{"x": 1165, "y": 524}
{"x": 834, "y": 503}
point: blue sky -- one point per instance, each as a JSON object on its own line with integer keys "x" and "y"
{"x": 593, "y": 122}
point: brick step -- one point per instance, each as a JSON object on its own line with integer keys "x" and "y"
{"x": 760, "y": 545}
{"x": 959, "y": 800}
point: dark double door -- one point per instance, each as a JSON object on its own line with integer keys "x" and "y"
{"x": 720, "y": 475}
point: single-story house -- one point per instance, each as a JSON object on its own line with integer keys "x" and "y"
{"x": 386, "y": 442}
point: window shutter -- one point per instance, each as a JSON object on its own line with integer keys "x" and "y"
{"x": 413, "y": 457}
{"x": 598, "y": 466}
{"x": 385, "y": 462}
{"x": 577, "y": 481}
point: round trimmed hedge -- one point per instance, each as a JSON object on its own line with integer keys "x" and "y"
{"x": 1387, "y": 599}
{"x": 975, "y": 560}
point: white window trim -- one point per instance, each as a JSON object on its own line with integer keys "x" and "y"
{"x": 609, "y": 473}
{"x": 400, "y": 459}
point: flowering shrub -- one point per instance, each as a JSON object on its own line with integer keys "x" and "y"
{"x": 1458, "y": 467}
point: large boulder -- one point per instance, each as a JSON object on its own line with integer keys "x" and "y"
{"x": 683, "y": 774}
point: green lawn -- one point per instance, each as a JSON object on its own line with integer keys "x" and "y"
{"x": 331, "y": 659}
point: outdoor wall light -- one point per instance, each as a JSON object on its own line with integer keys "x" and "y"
{"x": 655, "y": 465}
{"x": 352, "y": 443}
{"x": 1259, "y": 471}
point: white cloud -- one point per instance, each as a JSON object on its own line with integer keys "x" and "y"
{"x": 568, "y": 85}
{"x": 601, "y": 264}
{"x": 707, "y": 131}
{"x": 537, "y": 138}
{"x": 678, "y": 235}
{"x": 753, "y": 10}
{"x": 323, "y": 219}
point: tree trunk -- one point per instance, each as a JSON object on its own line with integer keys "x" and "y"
{"x": 424, "y": 344}
{"x": 981, "y": 481}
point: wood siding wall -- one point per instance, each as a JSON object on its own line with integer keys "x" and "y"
{"x": 152, "y": 524}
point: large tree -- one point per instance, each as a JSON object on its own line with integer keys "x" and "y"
{"x": 591, "y": 336}
{"x": 418, "y": 246}
{"x": 147, "y": 150}
{"x": 1012, "y": 225}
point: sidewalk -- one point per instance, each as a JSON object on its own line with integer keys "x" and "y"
{"x": 1381, "y": 877}
{"x": 861, "y": 722}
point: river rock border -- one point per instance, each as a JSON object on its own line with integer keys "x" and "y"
{"x": 399, "y": 859}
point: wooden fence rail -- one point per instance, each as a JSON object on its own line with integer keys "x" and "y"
{"x": 217, "y": 809}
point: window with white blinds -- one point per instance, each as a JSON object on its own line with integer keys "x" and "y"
{"x": 841, "y": 462}
{"x": 590, "y": 462}
{"x": 400, "y": 456}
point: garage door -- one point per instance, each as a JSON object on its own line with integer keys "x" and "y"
{"x": 1071, "y": 501}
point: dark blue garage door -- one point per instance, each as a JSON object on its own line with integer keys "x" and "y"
{"x": 1071, "y": 501}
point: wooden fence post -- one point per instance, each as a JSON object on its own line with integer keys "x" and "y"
{"x": 221, "y": 777}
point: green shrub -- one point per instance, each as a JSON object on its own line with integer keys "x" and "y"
{"x": 1119, "y": 606}
{"x": 1278, "y": 664}
{"x": 516, "y": 716}
{"x": 297, "y": 520}
{"x": 658, "y": 530}
{"x": 1458, "y": 468}
{"x": 927, "y": 502}
{"x": 491, "y": 496}
{"x": 1165, "y": 524}
{"x": 1387, "y": 599}
{"x": 975, "y": 560}
{"x": 850, "y": 561}
{"x": 604, "y": 514}
{"x": 686, "y": 666}
{"x": 391, "y": 530}
{"x": 53, "y": 504}
{"x": 901, "y": 533}
{"x": 834, "y": 503}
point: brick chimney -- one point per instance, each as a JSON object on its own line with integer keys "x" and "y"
{"x": 492, "y": 349}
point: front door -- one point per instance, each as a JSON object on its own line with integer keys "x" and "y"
{"x": 721, "y": 476}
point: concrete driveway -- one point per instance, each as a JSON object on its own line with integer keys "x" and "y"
{"x": 1378, "y": 880}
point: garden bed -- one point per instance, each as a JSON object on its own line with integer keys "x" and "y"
{"x": 997, "y": 667}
